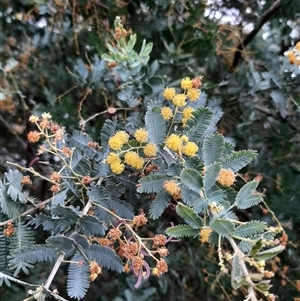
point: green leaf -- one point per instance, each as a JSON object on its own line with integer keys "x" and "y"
{"x": 152, "y": 183}
{"x": 191, "y": 179}
{"x": 155, "y": 125}
{"x": 198, "y": 124}
{"x": 246, "y": 197}
{"x": 248, "y": 229}
{"x": 210, "y": 175}
{"x": 189, "y": 216}
{"x": 256, "y": 247}
{"x": 270, "y": 253}
{"x": 222, "y": 227}
{"x": 239, "y": 159}
{"x": 200, "y": 205}
{"x": 159, "y": 204}
{"x": 212, "y": 148}
{"x": 182, "y": 231}
{"x": 78, "y": 277}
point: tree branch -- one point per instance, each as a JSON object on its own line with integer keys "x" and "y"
{"x": 266, "y": 17}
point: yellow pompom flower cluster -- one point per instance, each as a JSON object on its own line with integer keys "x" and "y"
{"x": 190, "y": 149}
{"x": 174, "y": 142}
{"x": 166, "y": 113}
{"x": 115, "y": 164}
{"x": 118, "y": 140}
{"x": 179, "y": 100}
{"x": 204, "y": 234}
{"x": 172, "y": 188}
{"x": 186, "y": 83}
{"x": 191, "y": 92}
{"x": 169, "y": 93}
{"x": 150, "y": 150}
{"x": 186, "y": 114}
{"x": 133, "y": 159}
{"x": 141, "y": 135}
{"x": 181, "y": 144}
{"x": 226, "y": 177}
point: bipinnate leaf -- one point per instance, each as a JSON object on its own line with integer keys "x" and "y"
{"x": 239, "y": 159}
{"x": 236, "y": 273}
{"x": 81, "y": 140}
{"x": 211, "y": 174}
{"x": 198, "y": 124}
{"x": 159, "y": 204}
{"x": 90, "y": 225}
{"x": 35, "y": 253}
{"x": 200, "y": 205}
{"x": 61, "y": 242}
{"x": 191, "y": 179}
{"x": 189, "y": 216}
{"x": 249, "y": 229}
{"x": 107, "y": 131}
{"x": 222, "y": 227}
{"x": 105, "y": 257}
{"x": 14, "y": 178}
{"x": 182, "y": 231}
{"x": 78, "y": 277}
{"x": 212, "y": 148}
{"x": 153, "y": 183}
{"x": 247, "y": 197}
{"x": 155, "y": 125}
{"x": 270, "y": 253}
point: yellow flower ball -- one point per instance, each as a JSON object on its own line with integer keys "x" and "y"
{"x": 123, "y": 136}
{"x": 204, "y": 234}
{"x": 190, "y": 149}
{"x": 167, "y": 113}
{"x": 226, "y": 177}
{"x": 186, "y": 83}
{"x": 187, "y": 112}
{"x": 141, "y": 135}
{"x": 115, "y": 143}
{"x": 172, "y": 188}
{"x": 184, "y": 138}
{"x": 150, "y": 150}
{"x": 193, "y": 94}
{"x": 179, "y": 100}
{"x": 113, "y": 158}
{"x": 139, "y": 163}
{"x": 174, "y": 142}
{"x": 117, "y": 167}
{"x": 169, "y": 93}
{"x": 133, "y": 159}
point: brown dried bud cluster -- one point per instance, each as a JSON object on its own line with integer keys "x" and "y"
{"x": 26, "y": 180}
{"x": 95, "y": 270}
{"x": 130, "y": 249}
{"x": 159, "y": 240}
{"x": 9, "y": 231}
{"x": 161, "y": 268}
{"x": 140, "y": 220}
{"x": 114, "y": 234}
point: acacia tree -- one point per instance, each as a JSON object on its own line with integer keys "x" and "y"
{"x": 49, "y": 71}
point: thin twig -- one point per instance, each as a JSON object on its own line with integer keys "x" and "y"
{"x": 13, "y": 132}
{"x": 266, "y": 17}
